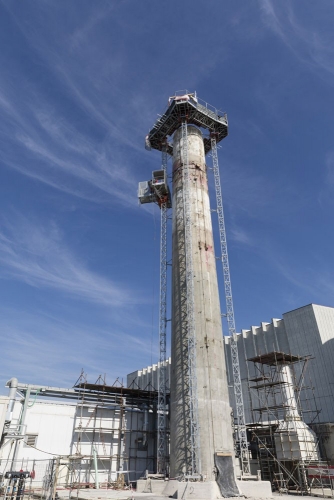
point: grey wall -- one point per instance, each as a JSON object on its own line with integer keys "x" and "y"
{"x": 148, "y": 378}
{"x": 257, "y": 340}
{"x": 308, "y": 330}
{"x": 311, "y": 331}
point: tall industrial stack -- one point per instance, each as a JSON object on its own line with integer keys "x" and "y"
{"x": 214, "y": 413}
{"x": 201, "y": 442}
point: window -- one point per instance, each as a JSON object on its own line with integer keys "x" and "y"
{"x": 30, "y": 440}
{"x": 142, "y": 444}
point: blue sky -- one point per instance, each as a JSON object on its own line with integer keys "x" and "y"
{"x": 81, "y": 83}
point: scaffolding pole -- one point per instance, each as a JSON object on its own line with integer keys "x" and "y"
{"x": 242, "y": 433}
{"x": 162, "y": 421}
{"x": 191, "y": 331}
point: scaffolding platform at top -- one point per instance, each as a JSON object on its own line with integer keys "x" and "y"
{"x": 276, "y": 358}
{"x": 189, "y": 107}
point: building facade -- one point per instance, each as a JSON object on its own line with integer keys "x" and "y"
{"x": 98, "y": 442}
{"x": 304, "y": 332}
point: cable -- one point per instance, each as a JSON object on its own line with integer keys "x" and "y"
{"x": 11, "y": 446}
{"x": 47, "y": 452}
{"x": 53, "y": 454}
{"x": 34, "y": 401}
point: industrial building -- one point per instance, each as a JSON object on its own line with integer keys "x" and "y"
{"x": 108, "y": 435}
{"x": 287, "y": 379}
{"x": 102, "y": 436}
{"x": 220, "y": 408}
{"x": 289, "y": 420}
{"x": 305, "y": 332}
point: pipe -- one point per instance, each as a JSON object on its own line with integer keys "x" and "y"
{"x": 22, "y": 427}
{"x": 145, "y": 426}
{"x": 12, "y": 383}
{"x": 288, "y": 393}
{"x": 96, "y": 470}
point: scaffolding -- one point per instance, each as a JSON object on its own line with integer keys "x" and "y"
{"x": 190, "y": 323}
{"x": 162, "y": 455}
{"x": 125, "y": 446}
{"x": 237, "y": 386}
{"x": 114, "y": 440}
{"x": 157, "y": 191}
{"x": 285, "y": 446}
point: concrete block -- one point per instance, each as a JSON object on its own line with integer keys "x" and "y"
{"x": 155, "y": 486}
{"x": 256, "y": 489}
{"x": 207, "y": 490}
{"x": 171, "y": 488}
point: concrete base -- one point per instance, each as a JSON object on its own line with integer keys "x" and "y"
{"x": 155, "y": 486}
{"x": 257, "y": 489}
{"x": 171, "y": 489}
{"x": 207, "y": 490}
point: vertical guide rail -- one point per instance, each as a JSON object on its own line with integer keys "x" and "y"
{"x": 191, "y": 333}
{"x": 162, "y": 431}
{"x": 242, "y": 434}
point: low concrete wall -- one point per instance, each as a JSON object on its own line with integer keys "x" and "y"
{"x": 258, "y": 489}
{"x": 156, "y": 486}
{"x": 171, "y": 488}
{"x": 208, "y": 490}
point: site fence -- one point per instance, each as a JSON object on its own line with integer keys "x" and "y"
{"x": 26, "y": 477}
{"x": 44, "y": 478}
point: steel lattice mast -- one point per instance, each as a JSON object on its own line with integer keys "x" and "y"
{"x": 242, "y": 434}
{"x": 191, "y": 333}
{"x": 162, "y": 423}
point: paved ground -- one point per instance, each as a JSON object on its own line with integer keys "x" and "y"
{"x": 91, "y": 494}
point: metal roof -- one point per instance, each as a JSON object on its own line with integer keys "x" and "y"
{"x": 91, "y": 393}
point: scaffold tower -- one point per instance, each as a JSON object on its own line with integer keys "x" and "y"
{"x": 241, "y": 424}
{"x": 162, "y": 402}
{"x": 191, "y": 333}
{"x": 156, "y": 190}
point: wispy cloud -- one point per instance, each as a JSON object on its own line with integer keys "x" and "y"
{"x": 45, "y": 146}
{"x": 309, "y": 43}
{"x": 325, "y": 196}
{"x": 330, "y": 169}
{"x": 81, "y": 139}
{"x": 38, "y": 256}
{"x": 315, "y": 283}
{"x": 42, "y": 349}
{"x": 239, "y": 235}
{"x": 244, "y": 190}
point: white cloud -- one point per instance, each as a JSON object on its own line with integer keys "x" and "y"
{"x": 325, "y": 196}
{"x": 330, "y": 169}
{"x": 309, "y": 43}
{"x": 43, "y": 349}
{"x": 244, "y": 190}
{"x": 241, "y": 236}
{"x": 39, "y": 257}
{"x": 50, "y": 149}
